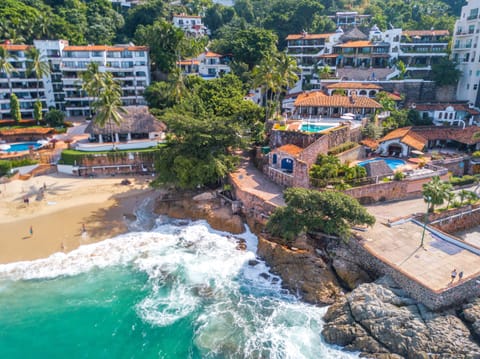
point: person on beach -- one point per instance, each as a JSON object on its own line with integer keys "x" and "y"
{"x": 460, "y": 276}
{"x": 453, "y": 275}
{"x": 31, "y": 231}
{"x": 84, "y": 230}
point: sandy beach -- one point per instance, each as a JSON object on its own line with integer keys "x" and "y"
{"x": 58, "y": 214}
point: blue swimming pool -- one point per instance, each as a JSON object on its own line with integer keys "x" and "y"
{"x": 308, "y": 127}
{"x": 393, "y": 163}
{"x": 22, "y": 146}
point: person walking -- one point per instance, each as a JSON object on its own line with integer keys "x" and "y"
{"x": 453, "y": 275}
{"x": 31, "y": 231}
{"x": 460, "y": 276}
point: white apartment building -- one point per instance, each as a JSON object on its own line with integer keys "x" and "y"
{"x": 129, "y": 65}
{"x": 191, "y": 24}
{"x": 466, "y": 53}
{"x": 61, "y": 89}
{"x": 208, "y": 65}
{"x": 20, "y": 84}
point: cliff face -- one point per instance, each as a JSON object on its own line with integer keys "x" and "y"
{"x": 302, "y": 271}
{"x": 379, "y": 320}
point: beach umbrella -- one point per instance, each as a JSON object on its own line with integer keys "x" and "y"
{"x": 348, "y": 118}
{"x": 4, "y": 147}
{"x": 416, "y": 152}
{"x": 349, "y": 114}
{"x": 42, "y": 142}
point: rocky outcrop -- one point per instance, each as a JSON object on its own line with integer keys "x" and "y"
{"x": 379, "y": 320}
{"x": 471, "y": 314}
{"x": 202, "y": 206}
{"x": 301, "y": 270}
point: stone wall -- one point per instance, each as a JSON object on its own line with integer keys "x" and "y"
{"x": 354, "y": 154}
{"x": 457, "y": 166}
{"x": 413, "y": 90}
{"x": 446, "y": 93}
{"x": 434, "y": 300}
{"x": 279, "y": 138}
{"x": 279, "y": 177}
{"x": 117, "y": 163}
{"x": 338, "y": 136}
{"x": 457, "y": 219}
{"x": 309, "y": 155}
{"x": 301, "y": 177}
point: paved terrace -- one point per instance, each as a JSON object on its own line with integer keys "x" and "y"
{"x": 399, "y": 246}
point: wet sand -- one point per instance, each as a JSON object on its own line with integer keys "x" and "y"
{"x": 58, "y": 214}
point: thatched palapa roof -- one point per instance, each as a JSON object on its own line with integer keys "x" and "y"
{"x": 137, "y": 119}
{"x": 378, "y": 168}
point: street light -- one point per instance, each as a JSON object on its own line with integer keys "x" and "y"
{"x": 427, "y": 199}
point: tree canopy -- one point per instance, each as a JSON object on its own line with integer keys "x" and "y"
{"x": 307, "y": 210}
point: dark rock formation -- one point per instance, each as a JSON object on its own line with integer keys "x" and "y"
{"x": 302, "y": 271}
{"x": 379, "y": 320}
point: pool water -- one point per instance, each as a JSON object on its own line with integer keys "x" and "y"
{"x": 393, "y": 163}
{"x": 22, "y": 146}
{"x": 306, "y": 127}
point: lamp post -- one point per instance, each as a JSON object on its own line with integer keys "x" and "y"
{"x": 427, "y": 198}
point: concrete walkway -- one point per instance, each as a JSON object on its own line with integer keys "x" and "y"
{"x": 249, "y": 179}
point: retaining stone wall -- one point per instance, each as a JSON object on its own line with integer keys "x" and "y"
{"x": 354, "y": 154}
{"x": 459, "y": 223}
{"x": 309, "y": 155}
{"x": 414, "y": 91}
{"x": 279, "y": 138}
{"x": 435, "y": 300}
{"x": 458, "y": 166}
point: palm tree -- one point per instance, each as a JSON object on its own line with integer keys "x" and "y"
{"x": 38, "y": 65}
{"x": 463, "y": 194}
{"x": 108, "y": 105}
{"x": 177, "y": 85}
{"x": 265, "y": 77}
{"x": 435, "y": 192}
{"x": 92, "y": 83}
{"x": 6, "y": 66}
{"x": 287, "y": 77}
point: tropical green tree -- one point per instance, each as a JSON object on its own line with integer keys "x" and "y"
{"x": 310, "y": 211}
{"x": 37, "y": 111}
{"x": 92, "y": 83}
{"x": 15, "y": 108}
{"x": 6, "y": 66}
{"x": 435, "y": 192}
{"x": 266, "y": 77}
{"x": 287, "y": 74}
{"x": 55, "y": 118}
{"x": 108, "y": 105}
{"x": 37, "y": 65}
{"x": 445, "y": 72}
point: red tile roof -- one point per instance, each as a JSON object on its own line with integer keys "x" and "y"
{"x": 188, "y": 62}
{"x": 425, "y": 33}
{"x": 12, "y": 47}
{"x": 359, "y": 43}
{"x": 308, "y": 36}
{"x": 105, "y": 48}
{"x": 26, "y": 131}
{"x": 318, "y": 99}
{"x": 441, "y": 106}
{"x": 459, "y": 134}
{"x": 406, "y": 136}
{"x": 369, "y": 143}
{"x": 292, "y": 150}
{"x": 187, "y": 16}
{"x": 353, "y": 85}
{"x": 211, "y": 54}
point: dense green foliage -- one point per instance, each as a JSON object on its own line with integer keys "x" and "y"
{"x": 329, "y": 212}
{"x": 73, "y": 157}
{"x": 436, "y": 192}
{"x": 37, "y": 111}
{"x": 54, "y": 118}
{"x": 342, "y": 148}
{"x": 328, "y": 170}
{"x": 7, "y": 165}
{"x": 207, "y": 121}
{"x": 445, "y": 73}
{"x": 15, "y": 108}
{"x": 464, "y": 180}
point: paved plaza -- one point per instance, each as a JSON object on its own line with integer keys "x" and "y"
{"x": 400, "y": 247}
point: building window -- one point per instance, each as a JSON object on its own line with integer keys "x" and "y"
{"x": 468, "y": 86}
{"x": 440, "y": 115}
{"x": 475, "y": 86}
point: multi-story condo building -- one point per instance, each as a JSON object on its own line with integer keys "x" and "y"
{"x": 208, "y": 65}
{"x": 24, "y": 86}
{"x": 61, "y": 88}
{"x": 347, "y": 19}
{"x": 420, "y": 49}
{"x": 129, "y": 65}
{"x": 466, "y": 52}
{"x": 191, "y": 24}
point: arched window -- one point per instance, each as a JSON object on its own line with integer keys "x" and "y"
{"x": 274, "y": 159}
{"x": 440, "y": 114}
{"x": 287, "y": 165}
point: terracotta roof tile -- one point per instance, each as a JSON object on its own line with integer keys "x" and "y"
{"x": 353, "y": 85}
{"x": 318, "y": 99}
{"x": 14, "y": 47}
{"x": 187, "y": 16}
{"x": 26, "y": 131}
{"x": 360, "y": 43}
{"x": 407, "y": 136}
{"x": 290, "y": 149}
{"x": 211, "y": 54}
{"x": 459, "y": 134}
{"x": 369, "y": 143}
{"x": 443, "y": 106}
{"x": 308, "y": 36}
{"x": 105, "y": 48}
{"x": 188, "y": 62}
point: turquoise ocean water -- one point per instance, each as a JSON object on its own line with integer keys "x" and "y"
{"x": 177, "y": 290}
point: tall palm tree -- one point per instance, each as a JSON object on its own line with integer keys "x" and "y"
{"x": 92, "y": 83}
{"x": 6, "y": 66}
{"x": 265, "y": 77}
{"x": 108, "y": 105}
{"x": 435, "y": 192}
{"x": 37, "y": 65}
{"x": 177, "y": 86}
{"x": 287, "y": 74}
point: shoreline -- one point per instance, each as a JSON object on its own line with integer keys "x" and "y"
{"x": 58, "y": 214}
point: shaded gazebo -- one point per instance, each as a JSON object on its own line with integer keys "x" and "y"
{"x": 137, "y": 124}
{"x": 378, "y": 169}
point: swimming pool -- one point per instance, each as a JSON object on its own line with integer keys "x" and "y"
{"x": 22, "y": 146}
{"x": 393, "y": 163}
{"x": 308, "y": 127}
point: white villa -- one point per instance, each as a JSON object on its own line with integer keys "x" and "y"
{"x": 208, "y": 65}
{"x": 455, "y": 114}
{"x": 191, "y": 24}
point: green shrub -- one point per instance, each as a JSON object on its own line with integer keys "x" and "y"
{"x": 399, "y": 175}
{"x": 462, "y": 181}
{"x": 342, "y": 148}
{"x": 476, "y": 154}
{"x": 7, "y": 165}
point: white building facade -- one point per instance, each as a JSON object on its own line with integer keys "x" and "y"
{"x": 191, "y": 24}
{"x": 466, "y": 53}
